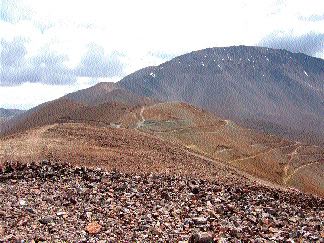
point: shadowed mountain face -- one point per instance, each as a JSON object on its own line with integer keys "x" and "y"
{"x": 7, "y": 113}
{"x": 106, "y": 93}
{"x": 272, "y": 90}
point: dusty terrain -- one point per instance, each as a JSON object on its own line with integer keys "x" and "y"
{"x": 167, "y": 137}
{"x": 93, "y": 145}
{"x": 57, "y": 202}
{"x": 278, "y": 160}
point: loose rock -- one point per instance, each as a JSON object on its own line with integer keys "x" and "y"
{"x": 201, "y": 238}
{"x": 122, "y": 207}
{"x": 93, "y": 228}
{"x": 46, "y": 220}
{"x": 2, "y": 231}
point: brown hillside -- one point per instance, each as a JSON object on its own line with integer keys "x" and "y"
{"x": 44, "y": 114}
{"x": 268, "y": 157}
{"x": 104, "y": 102}
{"x": 110, "y": 148}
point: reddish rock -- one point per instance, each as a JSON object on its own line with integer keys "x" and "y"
{"x": 145, "y": 216}
{"x": 93, "y": 228}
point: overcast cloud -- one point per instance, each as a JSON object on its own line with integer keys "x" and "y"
{"x": 66, "y": 45}
{"x": 310, "y": 43}
{"x": 48, "y": 67}
{"x": 95, "y": 63}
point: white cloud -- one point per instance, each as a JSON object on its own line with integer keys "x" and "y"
{"x": 170, "y": 26}
{"x": 28, "y": 95}
{"x": 142, "y": 27}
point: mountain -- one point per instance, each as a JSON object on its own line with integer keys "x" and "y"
{"x": 104, "y": 102}
{"x": 7, "y": 113}
{"x": 231, "y": 89}
{"x": 106, "y": 92}
{"x": 108, "y": 162}
{"x": 271, "y": 90}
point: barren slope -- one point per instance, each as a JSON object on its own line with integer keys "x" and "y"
{"x": 109, "y": 148}
{"x": 104, "y": 102}
{"x": 268, "y": 157}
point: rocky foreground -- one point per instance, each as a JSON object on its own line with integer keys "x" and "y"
{"x": 50, "y": 201}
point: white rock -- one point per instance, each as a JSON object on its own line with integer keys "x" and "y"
{"x": 22, "y": 202}
{"x": 61, "y": 213}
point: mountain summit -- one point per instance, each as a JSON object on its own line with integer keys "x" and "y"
{"x": 276, "y": 91}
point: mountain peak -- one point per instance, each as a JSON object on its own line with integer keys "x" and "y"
{"x": 107, "y": 86}
{"x": 271, "y": 89}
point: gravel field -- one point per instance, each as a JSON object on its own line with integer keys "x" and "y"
{"x": 57, "y": 202}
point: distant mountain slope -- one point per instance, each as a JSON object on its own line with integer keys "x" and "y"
{"x": 44, "y": 114}
{"x": 106, "y": 92}
{"x": 6, "y": 113}
{"x": 272, "y": 90}
{"x": 104, "y": 102}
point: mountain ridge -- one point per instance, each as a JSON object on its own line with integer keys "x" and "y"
{"x": 240, "y": 83}
{"x": 6, "y": 113}
{"x": 103, "y": 102}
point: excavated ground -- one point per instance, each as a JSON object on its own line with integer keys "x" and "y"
{"x": 51, "y": 201}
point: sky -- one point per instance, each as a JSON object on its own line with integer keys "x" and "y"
{"x": 50, "y": 48}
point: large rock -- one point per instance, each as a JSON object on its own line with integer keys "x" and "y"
{"x": 93, "y": 228}
{"x": 201, "y": 237}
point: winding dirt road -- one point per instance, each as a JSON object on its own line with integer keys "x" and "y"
{"x": 141, "y": 122}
